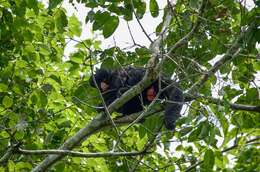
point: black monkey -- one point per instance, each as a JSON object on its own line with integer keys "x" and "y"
{"x": 108, "y": 83}
{"x": 113, "y": 84}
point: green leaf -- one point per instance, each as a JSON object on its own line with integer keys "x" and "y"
{"x": 193, "y": 136}
{"x": 17, "y": 89}
{"x": 19, "y": 135}
{"x": 74, "y": 26}
{"x": 5, "y": 5}
{"x": 100, "y": 19}
{"x": 195, "y": 133}
{"x": 127, "y": 11}
{"x": 143, "y": 52}
{"x": 168, "y": 67}
{"x": 140, "y": 9}
{"x": 92, "y": 3}
{"x": 7, "y": 102}
{"x": 115, "y": 9}
{"x": 110, "y": 26}
{"x": 179, "y": 148}
{"x": 21, "y": 166}
{"x": 209, "y": 160}
{"x": 159, "y": 29}
{"x": 82, "y": 93}
{"x": 60, "y": 167}
{"x": 142, "y": 132}
{"x": 61, "y": 20}
{"x": 154, "y": 8}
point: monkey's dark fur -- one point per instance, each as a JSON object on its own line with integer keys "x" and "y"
{"x": 121, "y": 80}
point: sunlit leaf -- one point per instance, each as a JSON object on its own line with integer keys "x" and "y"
{"x": 74, "y": 26}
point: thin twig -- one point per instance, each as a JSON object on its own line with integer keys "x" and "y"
{"x": 140, "y": 24}
{"x": 130, "y": 32}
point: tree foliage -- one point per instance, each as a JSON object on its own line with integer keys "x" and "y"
{"x": 46, "y": 103}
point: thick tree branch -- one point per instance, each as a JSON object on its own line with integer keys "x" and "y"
{"x": 79, "y": 154}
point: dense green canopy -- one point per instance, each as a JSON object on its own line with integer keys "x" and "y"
{"x": 47, "y": 119}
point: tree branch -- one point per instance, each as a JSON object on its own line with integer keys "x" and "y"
{"x": 216, "y": 101}
{"x": 230, "y": 54}
{"x": 233, "y": 105}
{"x": 79, "y": 154}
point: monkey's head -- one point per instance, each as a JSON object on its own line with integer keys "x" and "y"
{"x": 103, "y": 79}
